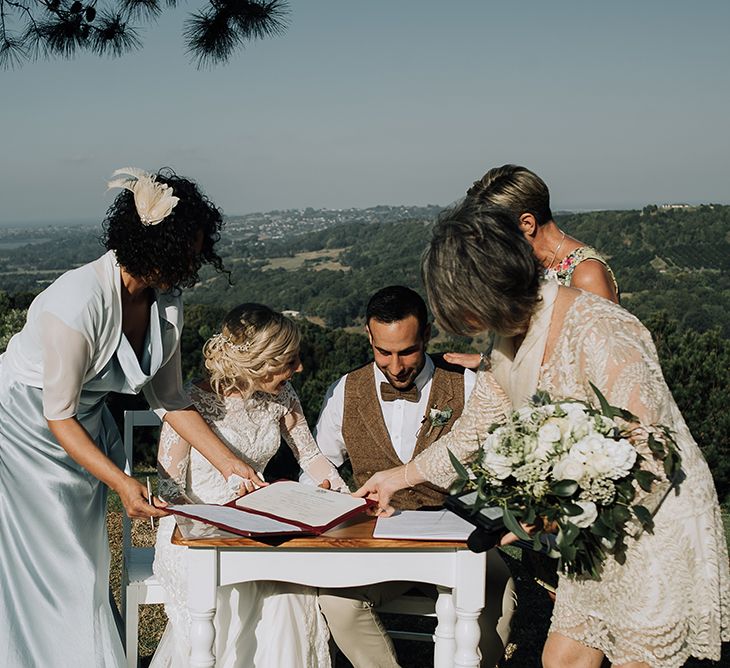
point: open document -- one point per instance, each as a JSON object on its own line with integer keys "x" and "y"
{"x": 284, "y": 507}
{"x": 423, "y": 525}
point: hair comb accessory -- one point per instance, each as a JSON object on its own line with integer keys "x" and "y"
{"x": 222, "y": 339}
{"x": 153, "y": 200}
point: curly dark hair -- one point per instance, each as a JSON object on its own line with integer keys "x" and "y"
{"x": 165, "y": 254}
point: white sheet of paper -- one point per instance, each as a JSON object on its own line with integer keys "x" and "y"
{"x": 297, "y": 502}
{"x": 423, "y": 525}
{"x": 236, "y": 519}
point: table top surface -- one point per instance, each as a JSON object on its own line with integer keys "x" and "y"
{"x": 354, "y": 534}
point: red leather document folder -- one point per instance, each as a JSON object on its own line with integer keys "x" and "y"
{"x": 282, "y": 508}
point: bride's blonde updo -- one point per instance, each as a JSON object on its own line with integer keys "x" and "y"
{"x": 255, "y": 344}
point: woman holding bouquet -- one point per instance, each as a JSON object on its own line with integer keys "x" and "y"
{"x": 112, "y": 325}
{"x": 670, "y": 599}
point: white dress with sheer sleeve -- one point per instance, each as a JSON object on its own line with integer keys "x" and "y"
{"x": 671, "y": 599}
{"x": 257, "y": 623}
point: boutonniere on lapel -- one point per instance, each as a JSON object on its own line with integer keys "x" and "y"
{"x": 436, "y": 419}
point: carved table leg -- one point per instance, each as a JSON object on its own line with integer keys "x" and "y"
{"x": 443, "y": 637}
{"x": 468, "y": 603}
{"x": 202, "y": 585}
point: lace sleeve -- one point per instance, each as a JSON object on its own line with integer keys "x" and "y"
{"x": 617, "y": 355}
{"x": 299, "y": 438}
{"x": 173, "y": 457}
{"x": 487, "y": 404}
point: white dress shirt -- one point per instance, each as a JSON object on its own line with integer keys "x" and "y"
{"x": 402, "y": 418}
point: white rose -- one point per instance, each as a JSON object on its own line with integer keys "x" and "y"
{"x": 498, "y": 465}
{"x": 587, "y": 517}
{"x": 548, "y": 437}
{"x": 592, "y": 452}
{"x": 549, "y": 432}
{"x": 568, "y": 468}
{"x": 587, "y": 447}
{"x": 601, "y": 463}
{"x": 562, "y": 423}
{"x": 623, "y": 457}
{"x": 580, "y": 421}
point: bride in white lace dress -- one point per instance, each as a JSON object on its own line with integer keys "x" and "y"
{"x": 250, "y": 405}
{"x": 671, "y": 598}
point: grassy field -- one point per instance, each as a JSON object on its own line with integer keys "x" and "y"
{"x": 529, "y": 626}
{"x": 316, "y": 260}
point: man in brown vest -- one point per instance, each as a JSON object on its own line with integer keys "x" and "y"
{"x": 380, "y": 416}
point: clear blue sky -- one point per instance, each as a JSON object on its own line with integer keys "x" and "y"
{"x": 614, "y": 103}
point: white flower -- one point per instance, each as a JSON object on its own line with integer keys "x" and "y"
{"x": 604, "y": 457}
{"x": 548, "y": 437}
{"x": 623, "y": 458}
{"x": 549, "y": 433}
{"x": 499, "y": 466}
{"x": 153, "y": 200}
{"x": 568, "y": 468}
{"x": 587, "y": 517}
{"x": 580, "y": 422}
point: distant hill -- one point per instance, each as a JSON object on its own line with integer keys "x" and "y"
{"x": 325, "y": 263}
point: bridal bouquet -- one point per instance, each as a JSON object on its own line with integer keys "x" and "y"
{"x": 571, "y": 467}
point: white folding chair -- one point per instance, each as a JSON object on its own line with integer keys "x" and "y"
{"x": 139, "y": 585}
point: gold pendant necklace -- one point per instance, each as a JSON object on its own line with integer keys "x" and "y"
{"x": 555, "y": 253}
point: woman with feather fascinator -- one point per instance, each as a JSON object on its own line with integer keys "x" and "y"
{"x": 112, "y": 325}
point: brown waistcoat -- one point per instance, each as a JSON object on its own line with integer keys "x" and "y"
{"x": 366, "y": 436}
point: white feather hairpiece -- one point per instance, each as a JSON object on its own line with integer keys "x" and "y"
{"x": 153, "y": 200}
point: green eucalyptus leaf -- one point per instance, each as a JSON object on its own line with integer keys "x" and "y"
{"x": 510, "y": 521}
{"x": 529, "y": 516}
{"x": 621, "y": 514}
{"x": 570, "y": 533}
{"x": 645, "y": 479}
{"x": 458, "y": 466}
{"x": 571, "y": 509}
{"x": 564, "y": 487}
{"x": 606, "y": 408}
{"x": 644, "y": 516}
{"x": 601, "y": 530}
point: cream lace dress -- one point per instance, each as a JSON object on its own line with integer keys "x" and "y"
{"x": 264, "y": 624}
{"x": 671, "y": 599}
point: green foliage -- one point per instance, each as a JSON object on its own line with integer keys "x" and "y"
{"x": 672, "y": 260}
{"x": 671, "y": 265}
{"x": 376, "y": 255}
{"x": 696, "y": 366}
{"x": 201, "y": 322}
{"x": 326, "y": 356}
{"x": 11, "y": 321}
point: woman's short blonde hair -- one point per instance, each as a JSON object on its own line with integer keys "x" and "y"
{"x": 480, "y": 272}
{"x": 254, "y": 344}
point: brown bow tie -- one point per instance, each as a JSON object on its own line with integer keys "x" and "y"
{"x": 390, "y": 393}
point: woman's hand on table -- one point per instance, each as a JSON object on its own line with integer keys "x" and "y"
{"x": 133, "y": 496}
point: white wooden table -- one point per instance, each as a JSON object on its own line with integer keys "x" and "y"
{"x": 346, "y": 556}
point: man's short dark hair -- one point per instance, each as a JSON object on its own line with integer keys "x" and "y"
{"x": 395, "y": 303}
